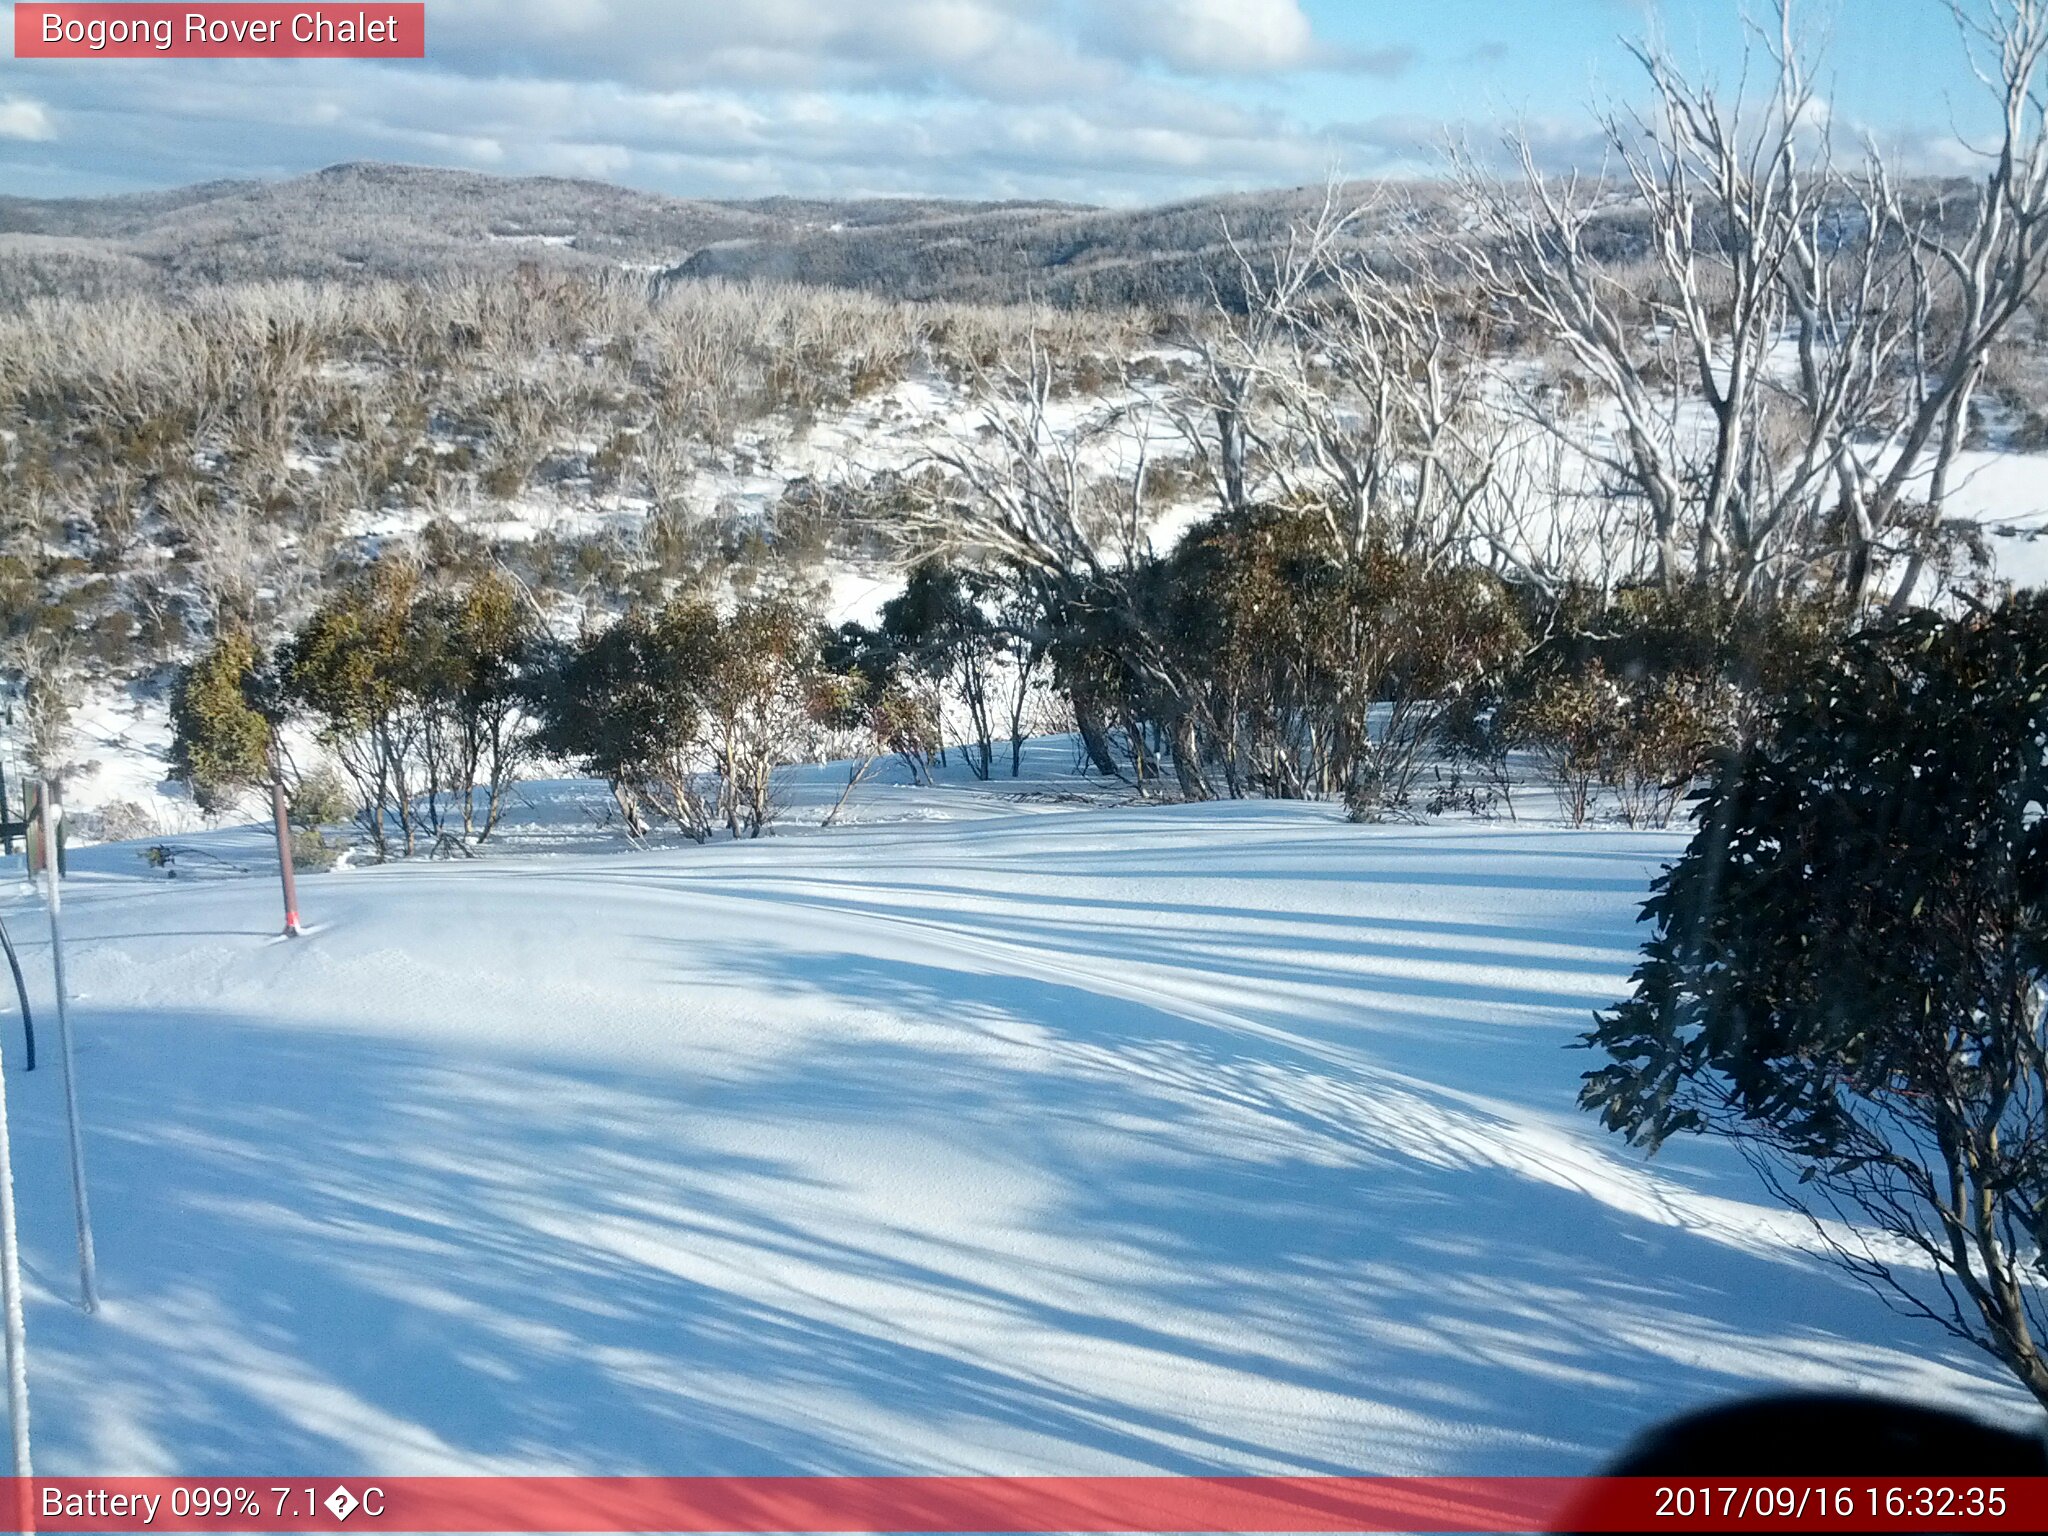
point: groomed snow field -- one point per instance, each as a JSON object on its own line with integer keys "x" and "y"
{"x": 991, "y": 1133}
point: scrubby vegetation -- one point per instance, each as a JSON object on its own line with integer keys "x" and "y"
{"x": 1411, "y": 507}
{"x": 179, "y": 469}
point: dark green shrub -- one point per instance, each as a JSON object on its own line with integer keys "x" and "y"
{"x": 1849, "y": 965}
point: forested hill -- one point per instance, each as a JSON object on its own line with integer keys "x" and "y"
{"x": 373, "y": 220}
{"x": 1091, "y": 256}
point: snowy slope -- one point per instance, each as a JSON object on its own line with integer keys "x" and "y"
{"x": 1176, "y": 1138}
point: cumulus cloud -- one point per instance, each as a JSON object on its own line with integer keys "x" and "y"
{"x": 23, "y": 118}
{"x": 1214, "y": 37}
{"x": 1146, "y": 142}
{"x": 1087, "y": 100}
{"x": 1091, "y": 100}
{"x": 1003, "y": 48}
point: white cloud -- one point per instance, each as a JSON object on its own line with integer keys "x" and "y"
{"x": 1086, "y": 100}
{"x": 24, "y": 118}
{"x": 1090, "y": 100}
{"x": 969, "y": 98}
{"x": 1004, "y": 48}
{"x": 1219, "y": 37}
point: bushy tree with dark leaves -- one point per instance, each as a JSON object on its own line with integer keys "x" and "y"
{"x": 472, "y": 646}
{"x": 350, "y": 667}
{"x": 621, "y": 704}
{"x": 687, "y": 711}
{"x": 220, "y": 743}
{"x": 869, "y": 691}
{"x": 939, "y": 624}
{"x": 1848, "y": 968}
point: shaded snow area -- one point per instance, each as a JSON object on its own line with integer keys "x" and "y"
{"x": 985, "y": 1136}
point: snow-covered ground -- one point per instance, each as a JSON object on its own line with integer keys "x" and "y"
{"x": 994, "y": 1132}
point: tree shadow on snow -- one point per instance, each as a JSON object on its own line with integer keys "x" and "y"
{"x": 1072, "y": 1233}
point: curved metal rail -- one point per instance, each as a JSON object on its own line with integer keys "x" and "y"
{"x": 28, "y": 1022}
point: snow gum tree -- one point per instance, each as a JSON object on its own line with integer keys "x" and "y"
{"x": 1786, "y": 376}
{"x": 351, "y": 667}
{"x": 1319, "y": 670}
{"x": 1849, "y": 966}
{"x": 938, "y": 623}
{"x": 621, "y": 705}
{"x": 687, "y": 710}
{"x": 471, "y": 646}
{"x": 422, "y": 695}
{"x": 220, "y": 745}
{"x": 868, "y": 689}
{"x": 755, "y": 673}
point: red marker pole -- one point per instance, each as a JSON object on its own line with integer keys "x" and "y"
{"x": 284, "y": 838}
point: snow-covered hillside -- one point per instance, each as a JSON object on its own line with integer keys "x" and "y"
{"x": 988, "y": 1134}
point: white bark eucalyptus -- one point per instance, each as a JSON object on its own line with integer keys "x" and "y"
{"x": 1782, "y": 380}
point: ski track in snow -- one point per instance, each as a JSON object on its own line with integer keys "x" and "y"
{"x": 1013, "y": 1140}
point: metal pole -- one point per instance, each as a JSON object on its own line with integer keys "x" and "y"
{"x": 28, "y": 1019}
{"x": 10, "y": 1304}
{"x": 88, "y": 1265}
{"x": 284, "y": 838}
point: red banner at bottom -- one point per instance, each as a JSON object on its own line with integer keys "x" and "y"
{"x": 1021, "y": 1504}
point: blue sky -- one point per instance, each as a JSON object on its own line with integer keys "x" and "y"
{"x": 1891, "y": 63}
{"x": 1118, "y": 101}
